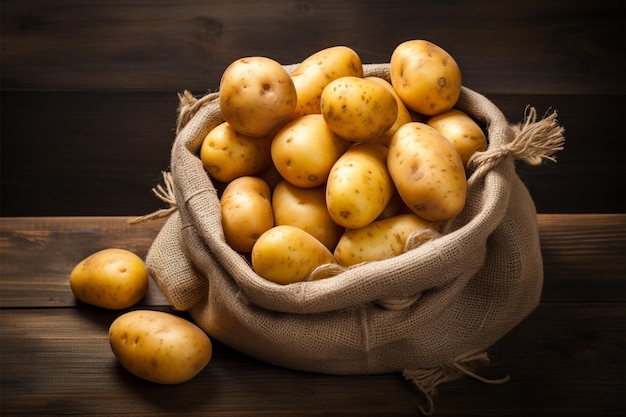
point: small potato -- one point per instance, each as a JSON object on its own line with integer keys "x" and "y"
{"x": 159, "y": 347}
{"x": 359, "y": 186}
{"x": 316, "y": 71}
{"x": 305, "y": 150}
{"x": 246, "y": 208}
{"x": 425, "y": 76}
{"x": 305, "y": 208}
{"x": 404, "y": 116}
{"x": 227, "y": 154}
{"x": 286, "y": 254}
{"x": 460, "y": 129}
{"x": 358, "y": 109}
{"x": 112, "y": 278}
{"x": 379, "y": 240}
{"x": 427, "y": 172}
{"x": 256, "y": 96}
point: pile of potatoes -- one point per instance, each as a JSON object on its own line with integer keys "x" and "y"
{"x": 324, "y": 165}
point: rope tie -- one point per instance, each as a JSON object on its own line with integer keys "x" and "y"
{"x": 164, "y": 193}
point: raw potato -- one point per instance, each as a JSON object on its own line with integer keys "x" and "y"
{"x": 316, "y": 71}
{"x": 159, "y": 347}
{"x": 112, "y": 278}
{"x": 359, "y": 186}
{"x": 305, "y": 150}
{"x": 427, "y": 171}
{"x": 256, "y": 96}
{"x": 404, "y": 116}
{"x": 287, "y": 254}
{"x": 227, "y": 154}
{"x": 460, "y": 129}
{"x": 380, "y": 239}
{"x": 305, "y": 208}
{"x": 425, "y": 76}
{"x": 358, "y": 109}
{"x": 246, "y": 208}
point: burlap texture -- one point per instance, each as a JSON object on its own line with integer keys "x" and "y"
{"x": 450, "y": 298}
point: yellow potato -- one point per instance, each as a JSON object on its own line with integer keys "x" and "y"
{"x": 246, "y": 209}
{"x": 112, "y": 278}
{"x": 316, "y": 71}
{"x": 286, "y": 254}
{"x": 305, "y": 150}
{"x": 358, "y": 109}
{"x": 159, "y": 347}
{"x": 404, "y": 116}
{"x": 427, "y": 171}
{"x": 426, "y": 77}
{"x": 359, "y": 186}
{"x": 305, "y": 208}
{"x": 256, "y": 95}
{"x": 227, "y": 154}
{"x": 379, "y": 240}
{"x": 460, "y": 129}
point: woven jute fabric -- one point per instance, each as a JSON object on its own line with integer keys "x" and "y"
{"x": 435, "y": 308}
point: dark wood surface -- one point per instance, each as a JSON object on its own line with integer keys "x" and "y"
{"x": 87, "y": 117}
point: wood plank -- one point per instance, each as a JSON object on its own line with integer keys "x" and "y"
{"x": 535, "y": 47}
{"x": 584, "y": 256}
{"x": 58, "y": 362}
{"x": 100, "y": 153}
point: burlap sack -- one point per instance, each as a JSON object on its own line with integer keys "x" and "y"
{"x": 430, "y": 313}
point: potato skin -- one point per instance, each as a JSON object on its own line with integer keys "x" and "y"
{"x": 316, "y": 71}
{"x": 404, "y": 116}
{"x": 227, "y": 154}
{"x": 378, "y": 240}
{"x": 359, "y": 186}
{"x": 287, "y": 254}
{"x": 426, "y": 77}
{"x": 246, "y": 209}
{"x": 257, "y": 95}
{"x": 427, "y": 171}
{"x": 111, "y": 278}
{"x": 305, "y": 150}
{"x": 159, "y": 347}
{"x": 460, "y": 129}
{"x": 305, "y": 208}
{"x": 358, "y": 109}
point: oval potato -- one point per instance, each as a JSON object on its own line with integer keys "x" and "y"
{"x": 380, "y": 239}
{"x": 246, "y": 209}
{"x": 287, "y": 254}
{"x": 305, "y": 150}
{"x": 426, "y": 76}
{"x": 404, "y": 115}
{"x": 227, "y": 154}
{"x": 427, "y": 172}
{"x": 159, "y": 346}
{"x": 358, "y": 109}
{"x": 460, "y": 129}
{"x": 257, "y": 95}
{"x": 111, "y": 278}
{"x": 359, "y": 186}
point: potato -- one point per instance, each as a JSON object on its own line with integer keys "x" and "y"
{"x": 159, "y": 347}
{"x": 316, "y": 71}
{"x": 378, "y": 240}
{"x": 305, "y": 150}
{"x": 460, "y": 129}
{"x": 111, "y": 278}
{"x": 227, "y": 154}
{"x": 358, "y": 109}
{"x": 359, "y": 186}
{"x": 425, "y": 76}
{"x": 404, "y": 116}
{"x": 305, "y": 208}
{"x": 427, "y": 171}
{"x": 256, "y": 96}
{"x": 246, "y": 208}
{"x": 286, "y": 254}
